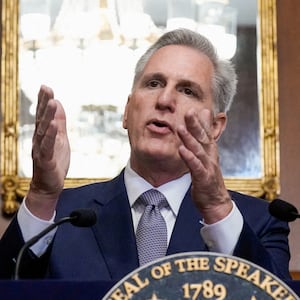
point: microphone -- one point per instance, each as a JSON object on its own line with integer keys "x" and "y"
{"x": 283, "y": 210}
{"x": 82, "y": 217}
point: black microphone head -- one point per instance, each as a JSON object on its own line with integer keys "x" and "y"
{"x": 83, "y": 217}
{"x": 283, "y": 210}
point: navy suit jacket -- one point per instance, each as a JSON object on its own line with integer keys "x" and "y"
{"x": 107, "y": 250}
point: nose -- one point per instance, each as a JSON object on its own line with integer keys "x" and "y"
{"x": 167, "y": 99}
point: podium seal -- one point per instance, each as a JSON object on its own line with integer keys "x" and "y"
{"x": 200, "y": 275}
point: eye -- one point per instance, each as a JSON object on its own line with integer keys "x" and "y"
{"x": 188, "y": 91}
{"x": 153, "y": 83}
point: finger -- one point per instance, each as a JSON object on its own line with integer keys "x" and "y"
{"x": 44, "y": 95}
{"x": 198, "y": 155}
{"x": 191, "y": 160}
{"x": 196, "y": 135}
{"x": 48, "y": 142}
{"x": 199, "y": 125}
{"x": 46, "y": 118}
{"x": 192, "y": 152}
{"x": 43, "y": 148}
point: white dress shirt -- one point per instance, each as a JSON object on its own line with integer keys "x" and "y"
{"x": 219, "y": 237}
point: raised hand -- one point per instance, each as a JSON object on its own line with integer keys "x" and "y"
{"x": 200, "y": 152}
{"x": 50, "y": 154}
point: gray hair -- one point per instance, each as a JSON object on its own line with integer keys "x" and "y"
{"x": 224, "y": 80}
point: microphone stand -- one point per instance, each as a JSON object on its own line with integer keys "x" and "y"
{"x": 34, "y": 239}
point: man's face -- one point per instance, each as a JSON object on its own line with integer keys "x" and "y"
{"x": 175, "y": 80}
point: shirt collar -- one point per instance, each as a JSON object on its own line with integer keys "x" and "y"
{"x": 174, "y": 191}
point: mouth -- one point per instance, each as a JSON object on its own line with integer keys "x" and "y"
{"x": 159, "y": 126}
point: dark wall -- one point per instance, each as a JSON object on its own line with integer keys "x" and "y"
{"x": 288, "y": 19}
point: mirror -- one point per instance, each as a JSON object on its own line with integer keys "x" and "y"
{"x": 249, "y": 147}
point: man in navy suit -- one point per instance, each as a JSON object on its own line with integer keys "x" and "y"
{"x": 174, "y": 116}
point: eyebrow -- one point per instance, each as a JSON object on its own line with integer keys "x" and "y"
{"x": 156, "y": 75}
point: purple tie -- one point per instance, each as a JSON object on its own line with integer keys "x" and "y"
{"x": 151, "y": 234}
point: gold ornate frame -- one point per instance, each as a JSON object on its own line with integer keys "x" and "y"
{"x": 15, "y": 187}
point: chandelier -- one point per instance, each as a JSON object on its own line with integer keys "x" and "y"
{"x": 86, "y": 51}
{"x": 127, "y": 22}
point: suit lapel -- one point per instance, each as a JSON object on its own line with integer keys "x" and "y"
{"x": 186, "y": 234}
{"x": 114, "y": 232}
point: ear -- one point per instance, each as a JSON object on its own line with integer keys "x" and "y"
{"x": 126, "y": 113}
{"x": 219, "y": 124}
